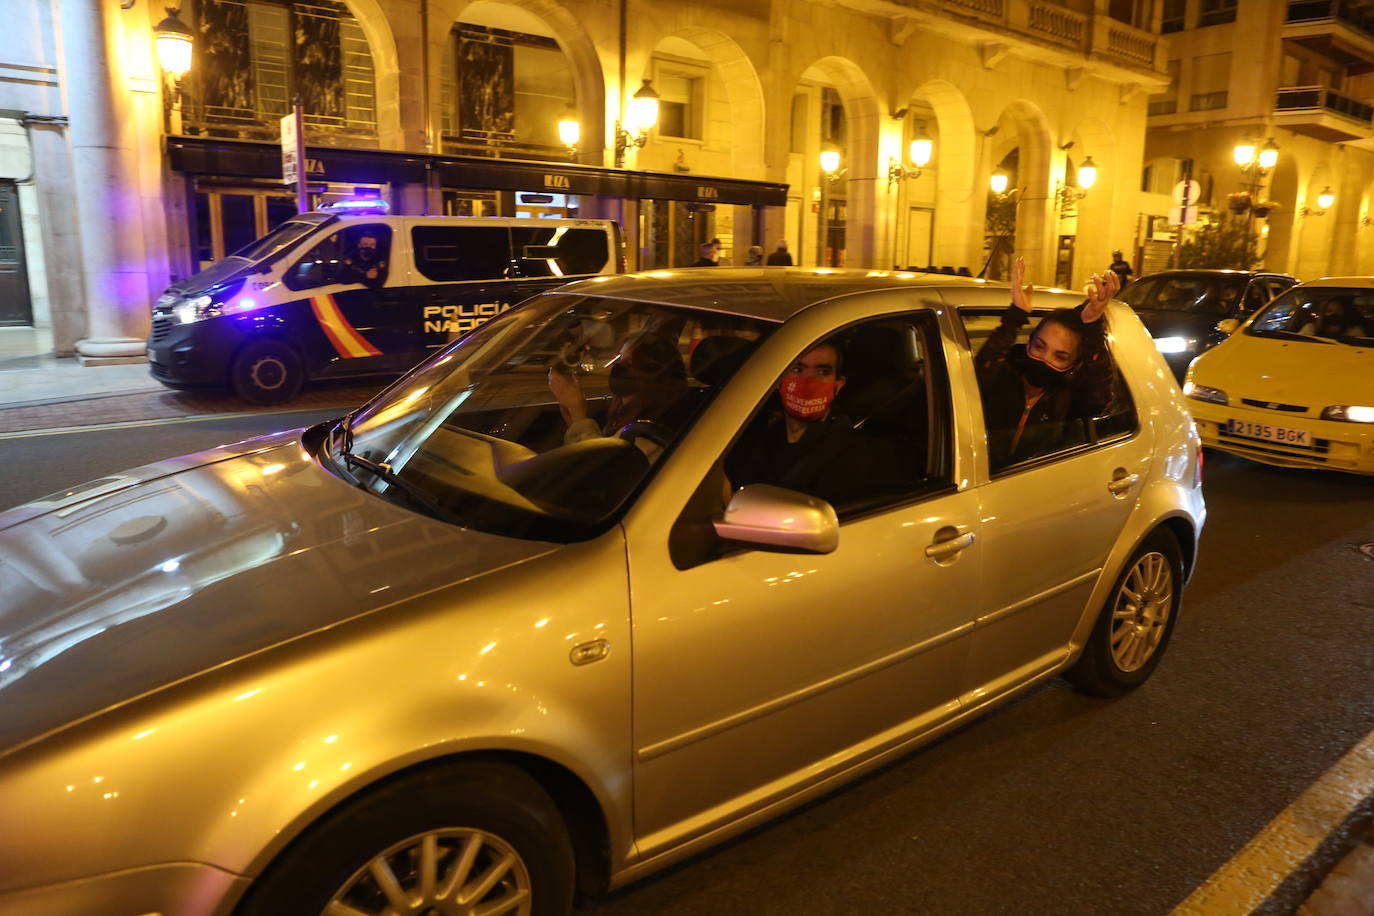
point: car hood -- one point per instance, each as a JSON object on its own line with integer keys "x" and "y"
{"x": 1314, "y": 375}
{"x": 146, "y": 578}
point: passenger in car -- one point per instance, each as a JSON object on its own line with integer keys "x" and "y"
{"x": 647, "y": 381}
{"x": 808, "y": 446}
{"x": 1033, "y": 393}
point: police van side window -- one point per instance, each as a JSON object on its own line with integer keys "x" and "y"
{"x": 448, "y": 254}
{"x": 356, "y": 254}
{"x": 546, "y": 251}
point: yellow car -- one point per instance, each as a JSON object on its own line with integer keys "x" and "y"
{"x": 1296, "y": 386}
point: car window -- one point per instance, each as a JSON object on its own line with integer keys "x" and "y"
{"x": 1138, "y": 292}
{"x": 356, "y": 254}
{"x": 449, "y": 254}
{"x": 544, "y": 422}
{"x": 1090, "y": 405}
{"x": 548, "y": 251}
{"x": 859, "y": 419}
{"x": 1319, "y": 314}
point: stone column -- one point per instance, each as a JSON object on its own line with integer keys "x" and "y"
{"x": 113, "y": 265}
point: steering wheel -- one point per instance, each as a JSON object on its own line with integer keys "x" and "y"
{"x": 657, "y": 433}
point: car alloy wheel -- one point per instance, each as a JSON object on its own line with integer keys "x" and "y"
{"x": 1140, "y": 617}
{"x": 439, "y": 873}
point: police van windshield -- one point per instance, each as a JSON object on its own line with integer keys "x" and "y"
{"x": 545, "y": 422}
{"x": 274, "y": 244}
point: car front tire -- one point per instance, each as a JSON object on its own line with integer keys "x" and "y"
{"x": 461, "y": 838}
{"x": 266, "y": 372}
{"x": 1133, "y": 630}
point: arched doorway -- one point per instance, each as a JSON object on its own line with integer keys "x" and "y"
{"x": 935, "y": 224}
{"x": 1023, "y": 131}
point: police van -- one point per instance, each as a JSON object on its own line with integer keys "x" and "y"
{"x": 352, "y": 291}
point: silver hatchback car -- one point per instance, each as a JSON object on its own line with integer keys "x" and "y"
{"x": 626, "y": 571}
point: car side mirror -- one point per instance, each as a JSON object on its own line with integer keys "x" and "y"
{"x": 771, "y": 516}
{"x": 1227, "y": 326}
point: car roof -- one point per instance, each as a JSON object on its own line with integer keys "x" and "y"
{"x": 1356, "y": 282}
{"x": 1212, "y": 272}
{"x": 771, "y": 293}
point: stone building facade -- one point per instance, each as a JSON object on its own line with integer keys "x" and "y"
{"x": 1299, "y": 75}
{"x": 127, "y": 178}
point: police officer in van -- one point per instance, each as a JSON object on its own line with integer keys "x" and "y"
{"x": 365, "y": 262}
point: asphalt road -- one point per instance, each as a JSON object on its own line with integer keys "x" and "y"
{"x": 1057, "y": 803}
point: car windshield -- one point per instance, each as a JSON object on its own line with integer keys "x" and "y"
{"x": 1319, "y": 314}
{"x": 546, "y": 421}
{"x": 1186, "y": 292}
{"x": 274, "y": 243}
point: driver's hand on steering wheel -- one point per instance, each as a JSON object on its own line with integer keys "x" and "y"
{"x": 567, "y": 391}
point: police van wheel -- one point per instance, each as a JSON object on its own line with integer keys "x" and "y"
{"x": 266, "y": 372}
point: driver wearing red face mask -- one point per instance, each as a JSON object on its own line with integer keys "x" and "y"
{"x": 809, "y": 447}
{"x": 1033, "y": 393}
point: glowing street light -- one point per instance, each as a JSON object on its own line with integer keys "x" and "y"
{"x": 174, "y": 44}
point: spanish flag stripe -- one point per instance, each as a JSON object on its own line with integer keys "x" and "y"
{"x": 345, "y": 338}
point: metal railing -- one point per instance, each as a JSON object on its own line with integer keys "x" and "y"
{"x": 1299, "y": 98}
{"x": 1334, "y": 10}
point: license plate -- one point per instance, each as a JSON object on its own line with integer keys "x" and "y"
{"x": 1284, "y": 434}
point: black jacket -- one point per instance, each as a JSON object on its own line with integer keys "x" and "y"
{"x": 1056, "y": 419}
{"x": 779, "y": 258}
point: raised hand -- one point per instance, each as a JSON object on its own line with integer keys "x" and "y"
{"x": 1021, "y": 291}
{"x": 1101, "y": 290}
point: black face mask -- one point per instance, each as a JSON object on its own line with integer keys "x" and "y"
{"x": 367, "y": 254}
{"x": 1038, "y": 374}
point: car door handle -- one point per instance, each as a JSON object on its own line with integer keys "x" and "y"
{"x": 1120, "y": 484}
{"x": 943, "y": 550}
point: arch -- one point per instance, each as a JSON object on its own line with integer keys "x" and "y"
{"x": 957, "y": 210}
{"x": 1030, "y": 133}
{"x": 1279, "y": 235}
{"x": 743, "y": 89}
{"x": 861, "y": 111}
{"x": 386, "y": 70}
{"x": 589, "y": 86}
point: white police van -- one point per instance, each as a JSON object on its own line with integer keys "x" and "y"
{"x": 351, "y": 291}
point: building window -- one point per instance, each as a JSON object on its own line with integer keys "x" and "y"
{"x": 1166, "y": 102}
{"x": 1131, "y": 12}
{"x": 1216, "y": 12}
{"x": 680, "y": 103}
{"x": 1211, "y": 80}
{"x": 253, "y": 57}
{"x": 1173, "y": 16}
{"x": 503, "y": 90}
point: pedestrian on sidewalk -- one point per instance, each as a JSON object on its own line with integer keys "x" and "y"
{"x": 780, "y": 257}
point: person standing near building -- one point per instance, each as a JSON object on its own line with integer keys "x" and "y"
{"x": 1121, "y": 267}
{"x": 780, "y": 257}
{"x": 709, "y": 255}
{"x": 755, "y": 258}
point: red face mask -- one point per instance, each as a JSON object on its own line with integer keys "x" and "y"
{"x": 807, "y": 398}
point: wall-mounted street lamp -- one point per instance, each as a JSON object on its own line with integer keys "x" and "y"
{"x": 569, "y": 130}
{"x": 1087, "y": 177}
{"x": 919, "y": 152}
{"x": 643, "y": 116}
{"x": 1324, "y": 201}
{"x": 998, "y": 182}
{"x": 174, "y": 43}
{"x": 830, "y": 174}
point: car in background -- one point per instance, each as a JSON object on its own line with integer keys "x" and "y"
{"x": 1190, "y": 311}
{"x": 445, "y": 655}
{"x": 1295, "y": 387}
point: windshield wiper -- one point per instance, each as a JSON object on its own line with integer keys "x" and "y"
{"x": 1291, "y": 335}
{"x": 413, "y": 491}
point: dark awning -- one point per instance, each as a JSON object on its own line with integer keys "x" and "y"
{"x": 246, "y": 159}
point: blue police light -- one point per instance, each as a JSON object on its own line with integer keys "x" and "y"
{"x": 371, "y": 205}
{"x": 247, "y": 305}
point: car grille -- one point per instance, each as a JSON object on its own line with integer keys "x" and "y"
{"x": 162, "y": 326}
{"x": 1274, "y": 405}
{"x": 159, "y": 371}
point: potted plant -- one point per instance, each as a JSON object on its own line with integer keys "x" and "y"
{"x": 1238, "y": 202}
{"x": 1265, "y": 207}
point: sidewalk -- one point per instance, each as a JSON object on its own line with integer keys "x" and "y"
{"x": 46, "y": 392}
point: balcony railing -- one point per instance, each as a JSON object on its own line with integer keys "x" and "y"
{"x": 1164, "y": 107}
{"x": 1358, "y": 18}
{"x": 1295, "y": 98}
{"x": 1058, "y": 24}
{"x": 1048, "y": 20}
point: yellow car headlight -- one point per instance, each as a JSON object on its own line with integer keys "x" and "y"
{"x": 1203, "y": 393}
{"x": 1351, "y": 413}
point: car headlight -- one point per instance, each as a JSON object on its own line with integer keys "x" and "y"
{"x": 1350, "y": 413}
{"x": 189, "y": 310}
{"x": 1173, "y": 344}
{"x": 1203, "y": 393}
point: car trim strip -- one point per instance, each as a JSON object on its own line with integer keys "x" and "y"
{"x": 649, "y": 752}
{"x": 1047, "y": 594}
{"x": 345, "y": 338}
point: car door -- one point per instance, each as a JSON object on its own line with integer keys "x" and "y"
{"x": 1048, "y": 526}
{"x": 757, "y": 672}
